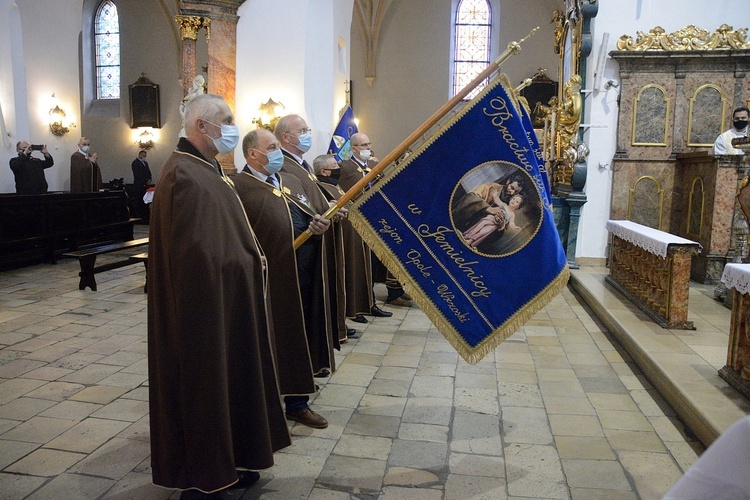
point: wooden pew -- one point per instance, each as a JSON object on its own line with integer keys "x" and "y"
{"x": 87, "y": 259}
{"x": 652, "y": 268}
{"x": 40, "y": 227}
{"x": 142, "y": 257}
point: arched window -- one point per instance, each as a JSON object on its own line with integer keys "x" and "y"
{"x": 107, "y": 44}
{"x": 471, "y": 43}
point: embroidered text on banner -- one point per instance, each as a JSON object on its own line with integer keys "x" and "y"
{"x": 465, "y": 222}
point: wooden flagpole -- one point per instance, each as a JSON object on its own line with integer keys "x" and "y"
{"x": 513, "y": 49}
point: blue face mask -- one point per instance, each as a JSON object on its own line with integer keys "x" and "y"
{"x": 305, "y": 141}
{"x": 230, "y": 137}
{"x": 275, "y": 161}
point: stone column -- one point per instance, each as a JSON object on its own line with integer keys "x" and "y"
{"x": 222, "y": 53}
{"x": 189, "y": 28}
{"x": 222, "y": 57}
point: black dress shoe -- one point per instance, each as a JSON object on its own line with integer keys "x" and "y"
{"x": 352, "y": 333}
{"x": 247, "y": 478}
{"x": 359, "y": 319}
{"x": 379, "y": 313}
{"x": 322, "y": 373}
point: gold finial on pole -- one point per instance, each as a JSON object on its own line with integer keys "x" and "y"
{"x": 513, "y": 48}
{"x": 523, "y": 84}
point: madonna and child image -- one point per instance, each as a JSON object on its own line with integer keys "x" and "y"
{"x": 496, "y": 209}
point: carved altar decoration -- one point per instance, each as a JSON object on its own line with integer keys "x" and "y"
{"x": 677, "y": 93}
{"x": 568, "y": 114}
{"x": 688, "y": 38}
{"x": 564, "y": 153}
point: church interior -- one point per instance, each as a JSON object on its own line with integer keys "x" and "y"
{"x": 613, "y": 390}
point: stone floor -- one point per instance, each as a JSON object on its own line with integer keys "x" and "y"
{"x": 559, "y": 410}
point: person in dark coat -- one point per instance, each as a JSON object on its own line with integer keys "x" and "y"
{"x": 29, "y": 171}
{"x": 214, "y": 404}
{"x": 141, "y": 182}
{"x": 295, "y": 278}
{"x": 85, "y": 174}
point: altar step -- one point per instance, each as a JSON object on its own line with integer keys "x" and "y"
{"x": 681, "y": 364}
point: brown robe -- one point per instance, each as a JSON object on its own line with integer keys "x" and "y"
{"x": 359, "y": 278}
{"x": 213, "y": 393}
{"x": 334, "y": 263}
{"x": 268, "y": 212}
{"x": 85, "y": 175}
{"x": 334, "y": 192}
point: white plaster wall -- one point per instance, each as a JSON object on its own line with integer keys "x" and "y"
{"x": 627, "y": 18}
{"x": 10, "y": 45}
{"x": 292, "y": 57}
{"x": 413, "y": 70}
{"x": 40, "y": 55}
{"x": 49, "y": 50}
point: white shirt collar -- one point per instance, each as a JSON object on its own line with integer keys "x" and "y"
{"x": 257, "y": 174}
{"x": 297, "y": 158}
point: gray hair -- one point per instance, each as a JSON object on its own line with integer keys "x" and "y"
{"x": 321, "y": 162}
{"x": 203, "y": 107}
{"x": 250, "y": 140}
{"x": 283, "y": 125}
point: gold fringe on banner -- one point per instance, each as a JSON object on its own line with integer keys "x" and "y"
{"x": 471, "y": 355}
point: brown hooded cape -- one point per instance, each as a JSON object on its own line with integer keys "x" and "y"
{"x": 213, "y": 393}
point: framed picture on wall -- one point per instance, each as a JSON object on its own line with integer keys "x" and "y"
{"x": 144, "y": 104}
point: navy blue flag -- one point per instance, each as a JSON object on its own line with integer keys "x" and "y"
{"x": 464, "y": 222}
{"x": 534, "y": 143}
{"x": 340, "y": 145}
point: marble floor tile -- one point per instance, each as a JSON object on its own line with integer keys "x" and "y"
{"x": 559, "y": 410}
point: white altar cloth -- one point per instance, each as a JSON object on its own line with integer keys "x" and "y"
{"x": 737, "y": 276}
{"x": 648, "y": 238}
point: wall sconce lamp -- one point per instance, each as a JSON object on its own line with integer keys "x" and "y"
{"x": 145, "y": 139}
{"x": 56, "y": 117}
{"x": 270, "y": 112}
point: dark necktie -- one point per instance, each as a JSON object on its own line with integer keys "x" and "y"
{"x": 306, "y": 166}
{"x": 271, "y": 179}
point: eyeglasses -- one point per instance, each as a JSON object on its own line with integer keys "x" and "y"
{"x": 304, "y": 131}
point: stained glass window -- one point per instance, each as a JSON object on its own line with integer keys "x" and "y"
{"x": 472, "y": 43}
{"x": 107, "y": 40}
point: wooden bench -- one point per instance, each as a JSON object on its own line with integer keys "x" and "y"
{"x": 36, "y": 228}
{"x": 652, "y": 269}
{"x": 87, "y": 259}
{"x": 142, "y": 257}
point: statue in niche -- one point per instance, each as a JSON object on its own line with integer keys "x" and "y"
{"x": 198, "y": 88}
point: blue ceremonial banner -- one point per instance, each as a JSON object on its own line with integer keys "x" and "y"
{"x": 464, "y": 222}
{"x": 340, "y": 146}
{"x": 537, "y": 150}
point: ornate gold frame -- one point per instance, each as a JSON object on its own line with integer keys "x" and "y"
{"x": 690, "y": 113}
{"x": 690, "y": 208}
{"x": 660, "y": 192}
{"x": 635, "y": 117}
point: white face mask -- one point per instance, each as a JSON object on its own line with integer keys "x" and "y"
{"x": 365, "y": 154}
{"x": 227, "y": 141}
{"x": 85, "y": 149}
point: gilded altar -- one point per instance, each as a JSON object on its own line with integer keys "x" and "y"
{"x": 677, "y": 94}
